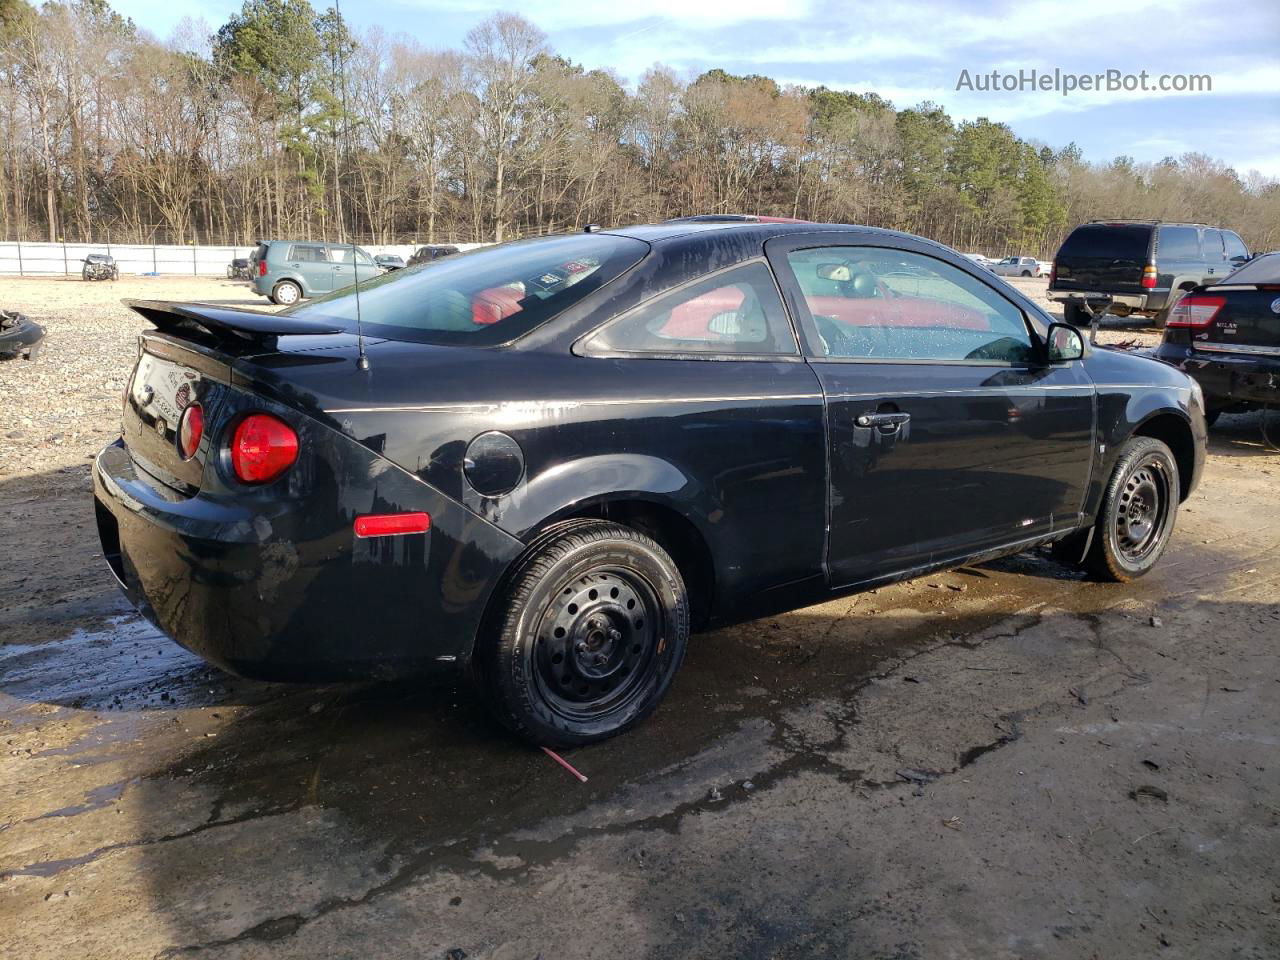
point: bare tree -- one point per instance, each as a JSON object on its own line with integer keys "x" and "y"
{"x": 501, "y": 53}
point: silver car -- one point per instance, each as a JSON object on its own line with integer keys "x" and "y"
{"x": 286, "y": 272}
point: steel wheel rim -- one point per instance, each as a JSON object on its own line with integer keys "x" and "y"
{"x": 597, "y": 643}
{"x": 1143, "y": 511}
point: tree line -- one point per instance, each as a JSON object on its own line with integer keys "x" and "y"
{"x": 285, "y": 123}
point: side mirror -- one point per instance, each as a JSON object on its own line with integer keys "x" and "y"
{"x": 1064, "y": 343}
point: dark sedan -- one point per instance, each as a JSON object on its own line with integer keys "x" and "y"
{"x": 547, "y": 462}
{"x": 1227, "y": 336}
{"x": 389, "y": 261}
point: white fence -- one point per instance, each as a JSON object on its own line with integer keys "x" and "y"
{"x": 65, "y": 259}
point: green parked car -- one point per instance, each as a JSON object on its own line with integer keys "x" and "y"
{"x": 285, "y": 272}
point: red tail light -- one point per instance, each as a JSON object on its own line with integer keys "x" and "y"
{"x": 1053, "y": 273}
{"x": 263, "y": 448}
{"x": 190, "y": 430}
{"x": 1148, "y": 277}
{"x": 1195, "y": 311}
{"x": 392, "y": 524}
{"x": 262, "y": 268}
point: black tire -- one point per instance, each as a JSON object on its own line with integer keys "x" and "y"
{"x": 1074, "y": 314}
{"x": 1137, "y": 515}
{"x": 1026, "y": 273}
{"x": 591, "y": 630}
{"x": 1211, "y": 417}
{"x": 286, "y": 292}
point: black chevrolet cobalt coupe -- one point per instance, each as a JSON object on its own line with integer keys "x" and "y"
{"x": 547, "y": 462}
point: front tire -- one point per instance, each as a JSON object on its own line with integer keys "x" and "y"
{"x": 286, "y": 293}
{"x": 1137, "y": 515}
{"x": 592, "y": 629}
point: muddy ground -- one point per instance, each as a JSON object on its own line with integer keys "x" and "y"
{"x": 1004, "y": 761}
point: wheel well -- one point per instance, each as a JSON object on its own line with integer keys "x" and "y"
{"x": 679, "y": 537}
{"x": 1175, "y": 434}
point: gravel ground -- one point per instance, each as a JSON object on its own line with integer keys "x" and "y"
{"x": 59, "y": 410}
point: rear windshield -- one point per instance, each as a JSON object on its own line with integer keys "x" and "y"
{"x": 486, "y": 296}
{"x": 1118, "y": 241}
{"x": 1263, "y": 269}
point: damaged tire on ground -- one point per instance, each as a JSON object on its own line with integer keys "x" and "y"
{"x": 19, "y": 336}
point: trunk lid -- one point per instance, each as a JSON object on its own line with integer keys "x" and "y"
{"x": 1247, "y": 322}
{"x": 1104, "y": 257}
{"x": 191, "y": 359}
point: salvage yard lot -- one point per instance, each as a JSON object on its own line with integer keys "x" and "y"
{"x": 1002, "y": 761}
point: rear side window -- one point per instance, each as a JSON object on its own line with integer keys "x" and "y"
{"x": 487, "y": 296}
{"x": 736, "y": 312}
{"x": 1108, "y": 241}
{"x": 872, "y": 303}
{"x": 1213, "y": 250}
{"x": 308, "y": 253}
{"x": 1179, "y": 243}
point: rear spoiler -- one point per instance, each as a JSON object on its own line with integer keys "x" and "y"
{"x": 249, "y": 325}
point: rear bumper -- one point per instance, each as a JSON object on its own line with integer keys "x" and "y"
{"x": 1153, "y": 301}
{"x": 1227, "y": 379}
{"x": 283, "y": 590}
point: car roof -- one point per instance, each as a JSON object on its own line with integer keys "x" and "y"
{"x": 1121, "y": 222}
{"x": 658, "y": 232}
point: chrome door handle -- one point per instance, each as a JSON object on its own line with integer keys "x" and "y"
{"x": 882, "y": 419}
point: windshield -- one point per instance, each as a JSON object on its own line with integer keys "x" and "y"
{"x": 483, "y": 297}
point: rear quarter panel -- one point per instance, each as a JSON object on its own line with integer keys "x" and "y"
{"x": 736, "y": 448}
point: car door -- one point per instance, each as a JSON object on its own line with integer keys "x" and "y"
{"x": 1215, "y": 256}
{"x": 1237, "y": 252}
{"x": 740, "y": 414}
{"x": 947, "y": 433}
{"x": 349, "y": 264}
{"x": 311, "y": 262}
{"x": 1179, "y": 258}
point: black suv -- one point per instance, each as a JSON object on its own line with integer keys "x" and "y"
{"x": 1143, "y": 265}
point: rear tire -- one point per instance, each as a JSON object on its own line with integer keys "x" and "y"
{"x": 1211, "y": 417}
{"x": 589, "y": 635}
{"x": 1026, "y": 273}
{"x": 1074, "y": 314}
{"x": 1137, "y": 515}
{"x": 286, "y": 293}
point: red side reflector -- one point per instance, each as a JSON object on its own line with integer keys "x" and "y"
{"x": 392, "y": 524}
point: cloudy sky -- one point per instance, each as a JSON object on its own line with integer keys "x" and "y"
{"x": 913, "y": 52}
